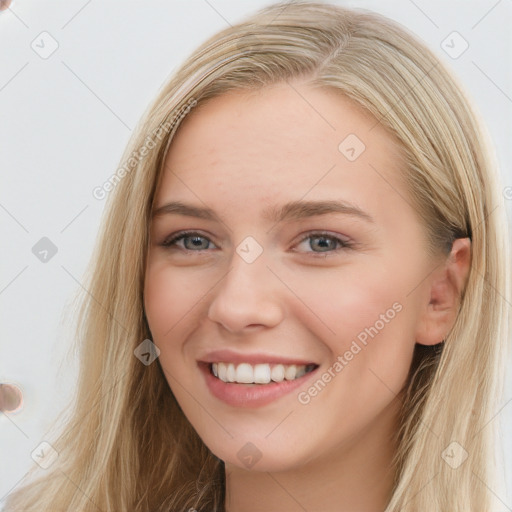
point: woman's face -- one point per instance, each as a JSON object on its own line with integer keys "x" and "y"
{"x": 304, "y": 251}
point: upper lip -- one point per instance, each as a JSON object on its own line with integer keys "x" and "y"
{"x": 228, "y": 356}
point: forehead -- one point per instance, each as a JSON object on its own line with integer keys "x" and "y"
{"x": 278, "y": 143}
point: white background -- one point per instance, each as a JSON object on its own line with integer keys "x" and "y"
{"x": 65, "y": 120}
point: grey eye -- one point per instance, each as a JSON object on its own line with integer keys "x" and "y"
{"x": 197, "y": 242}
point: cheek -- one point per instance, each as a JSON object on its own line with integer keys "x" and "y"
{"x": 159, "y": 302}
{"x": 370, "y": 353}
{"x": 365, "y": 317}
{"x": 346, "y": 300}
{"x": 169, "y": 297}
{"x": 168, "y": 304}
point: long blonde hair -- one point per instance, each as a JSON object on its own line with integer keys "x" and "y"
{"x": 126, "y": 445}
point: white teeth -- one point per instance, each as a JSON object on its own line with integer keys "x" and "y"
{"x": 301, "y": 370}
{"x": 262, "y": 374}
{"x": 222, "y": 369}
{"x": 231, "y": 373}
{"x": 246, "y": 373}
{"x": 290, "y": 372}
{"x": 277, "y": 373}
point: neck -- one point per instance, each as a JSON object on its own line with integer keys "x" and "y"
{"x": 355, "y": 477}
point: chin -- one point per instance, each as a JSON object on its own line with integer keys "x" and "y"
{"x": 249, "y": 457}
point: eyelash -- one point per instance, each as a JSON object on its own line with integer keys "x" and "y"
{"x": 169, "y": 242}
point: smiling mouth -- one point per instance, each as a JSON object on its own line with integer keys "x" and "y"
{"x": 245, "y": 373}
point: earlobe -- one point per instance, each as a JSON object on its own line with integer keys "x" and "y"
{"x": 446, "y": 288}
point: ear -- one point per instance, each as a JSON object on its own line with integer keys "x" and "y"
{"x": 445, "y": 289}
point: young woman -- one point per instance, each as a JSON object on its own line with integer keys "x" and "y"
{"x": 298, "y": 300}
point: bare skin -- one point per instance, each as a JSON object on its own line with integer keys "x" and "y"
{"x": 305, "y": 296}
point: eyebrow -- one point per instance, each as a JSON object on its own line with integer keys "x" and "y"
{"x": 294, "y": 210}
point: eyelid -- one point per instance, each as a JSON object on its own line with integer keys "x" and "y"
{"x": 170, "y": 241}
{"x": 345, "y": 244}
{"x": 174, "y": 237}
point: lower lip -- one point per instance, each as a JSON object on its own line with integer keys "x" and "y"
{"x": 250, "y": 395}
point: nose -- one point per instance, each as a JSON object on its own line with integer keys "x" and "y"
{"x": 247, "y": 297}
